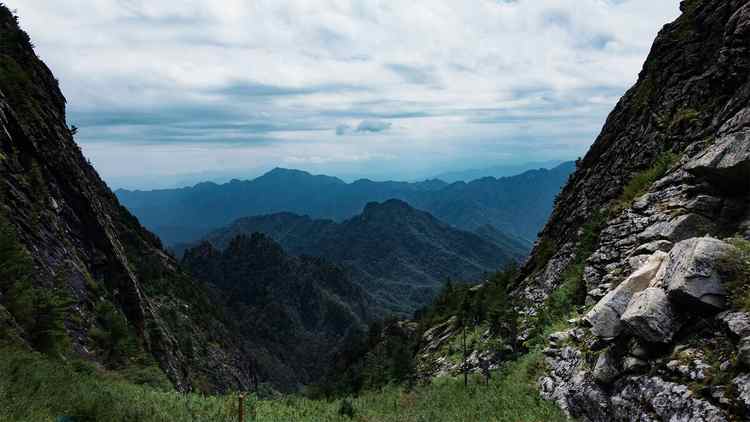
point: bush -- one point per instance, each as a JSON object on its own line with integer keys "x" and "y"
{"x": 39, "y": 311}
{"x": 639, "y": 184}
{"x": 113, "y": 335}
{"x": 346, "y": 409}
{"x": 571, "y": 293}
{"x": 738, "y": 265}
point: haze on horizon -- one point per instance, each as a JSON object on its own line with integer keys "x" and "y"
{"x": 174, "y": 92}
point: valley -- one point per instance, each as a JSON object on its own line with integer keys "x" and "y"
{"x": 612, "y": 288}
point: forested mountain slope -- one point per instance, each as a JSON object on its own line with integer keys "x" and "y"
{"x": 400, "y": 255}
{"x": 297, "y": 311}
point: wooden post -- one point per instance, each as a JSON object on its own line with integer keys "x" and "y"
{"x": 241, "y": 400}
{"x": 466, "y": 369}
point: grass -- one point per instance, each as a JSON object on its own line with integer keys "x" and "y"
{"x": 36, "y": 388}
{"x": 738, "y": 264}
{"x": 639, "y": 184}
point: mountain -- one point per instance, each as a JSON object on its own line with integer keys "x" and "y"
{"x": 296, "y": 310}
{"x": 650, "y": 240}
{"x": 495, "y": 171}
{"x": 81, "y": 277}
{"x": 517, "y": 205}
{"x": 400, "y": 255}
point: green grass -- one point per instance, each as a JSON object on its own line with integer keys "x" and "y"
{"x": 639, "y": 184}
{"x": 738, "y": 265}
{"x": 36, "y": 388}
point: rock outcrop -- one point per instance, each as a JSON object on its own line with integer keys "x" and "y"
{"x": 660, "y": 340}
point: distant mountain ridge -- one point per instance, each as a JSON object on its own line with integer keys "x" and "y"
{"x": 400, "y": 255}
{"x": 496, "y": 171}
{"x": 517, "y": 205}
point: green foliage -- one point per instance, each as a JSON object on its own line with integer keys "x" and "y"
{"x": 15, "y": 262}
{"x": 564, "y": 301}
{"x": 682, "y": 117}
{"x": 738, "y": 265}
{"x": 113, "y": 335}
{"x": 346, "y": 409}
{"x": 544, "y": 252}
{"x": 33, "y": 388}
{"x": 491, "y": 303}
{"x": 639, "y": 184}
{"x": 644, "y": 91}
{"x": 39, "y": 311}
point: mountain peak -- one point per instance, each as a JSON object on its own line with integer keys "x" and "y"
{"x": 390, "y": 207}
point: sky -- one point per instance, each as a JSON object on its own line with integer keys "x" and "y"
{"x": 172, "y": 92}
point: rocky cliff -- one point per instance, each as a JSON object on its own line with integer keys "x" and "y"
{"x": 87, "y": 247}
{"x": 657, "y": 217}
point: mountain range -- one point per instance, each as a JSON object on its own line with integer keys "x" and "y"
{"x": 517, "y": 205}
{"x": 498, "y": 171}
{"x": 400, "y": 255}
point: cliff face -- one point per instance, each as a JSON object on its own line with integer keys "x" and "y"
{"x": 666, "y": 185}
{"x": 86, "y": 245}
{"x": 693, "y": 84}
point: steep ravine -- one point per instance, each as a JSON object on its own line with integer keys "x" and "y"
{"x": 663, "y": 333}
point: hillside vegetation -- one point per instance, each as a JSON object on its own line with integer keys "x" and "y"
{"x": 35, "y": 388}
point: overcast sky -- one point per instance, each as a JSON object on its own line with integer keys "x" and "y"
{"x": 172, "y": 91}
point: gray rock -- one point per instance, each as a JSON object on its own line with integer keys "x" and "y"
{"x": 606, "y": 368}
{"x": 605, "y": 316}
{"x": 737, "y": 322}
{"x": 638, "y": 350}
{"x": 719, "y": 393}
{"x": 654, "y": 399}
{"x": 692, "y": 273}
{"x": 558, "y": 339}
{"x": 742, "y": 385}
{"x": 633, "y": 364}
{"x": 726, "y": 163}
{"x": 678, "y": 228}
{"x": 651, "y": 247}
{"x": 650, "y": 316}
{"x": 743, "y": 351}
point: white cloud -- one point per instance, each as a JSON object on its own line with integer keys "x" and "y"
{"x": 507, "y": 78}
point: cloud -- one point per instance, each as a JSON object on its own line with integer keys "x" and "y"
{"x": 365, "y": 126}
{"x": 412, "y": 74}
{"x": 373, "y": 126}
{"x": 343, "y": 129}
{"x": 248, "y": 84}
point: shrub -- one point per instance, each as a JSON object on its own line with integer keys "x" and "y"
{"x": 113, "y": 335}
{"x": 639, "y": 184}
{"x": 39, "y": 311}
{"x": 571, "y": 293}
{"x": 346, "y": 409}
{"x": 738, "y": 266}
